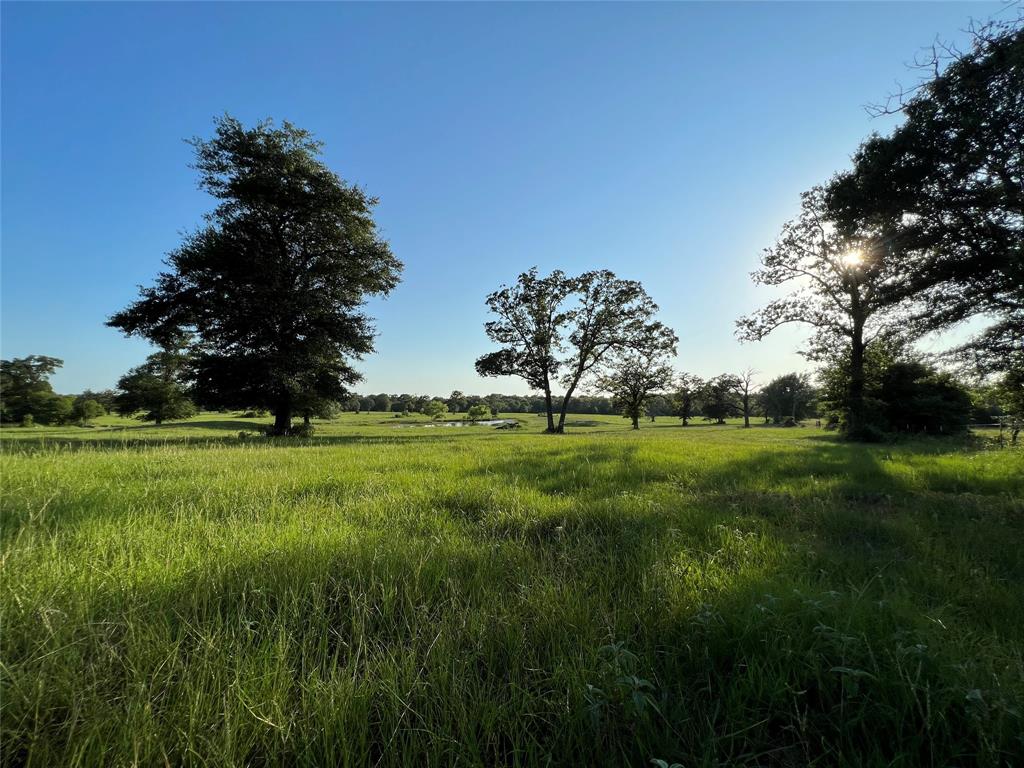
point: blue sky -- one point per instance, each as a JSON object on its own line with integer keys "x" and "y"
{"x": 667, "y": 142}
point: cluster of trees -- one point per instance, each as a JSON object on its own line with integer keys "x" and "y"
{"x": 27, "y": 397}
{"x": 562, "y": 331}
{"x": 155, "y": 391}
{"x": 924, "y": 232}
{"x": 262, "y": 306}
{"x": 786, "y": 399}
{"x": 599, "y": 331}
{"x": 152, "y": 392}
{"x": 457, "y": 402}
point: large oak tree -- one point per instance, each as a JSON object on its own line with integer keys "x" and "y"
{"x": 560, "y": 329}
{"x": 948, "y": 185}
{"x": 846, "y": 287}
{"x": 270, "y": 292}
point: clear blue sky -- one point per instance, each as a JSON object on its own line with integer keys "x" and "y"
{"x": 667, "y": 142}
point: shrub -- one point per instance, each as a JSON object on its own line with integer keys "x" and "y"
{"x": 301, "y": 430}
{"x": 85, "y": 410}
{"x": 477, "y": 412}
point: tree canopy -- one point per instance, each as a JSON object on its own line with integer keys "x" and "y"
{"x": 787, "y": 399}
{"x": 25, "y": 391}
{"x": 560, "y": 329}
{"x": 268, "y": 295}
{"x": 685, "y": 396}
{"x": 153, "y": 391}
{"x": 947, "y": 187}
{"x": 636, "y": 373}
{"x": 846, "y": 287}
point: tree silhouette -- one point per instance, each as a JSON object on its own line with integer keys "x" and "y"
{"x": 560, "y": 329}
{"x": 948, "y": 186}
{"x": 637, "y": 372}
{"x": 847, "y": 288}
{"x": 269, "y": 294}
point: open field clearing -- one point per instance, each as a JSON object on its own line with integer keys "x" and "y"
{"x": 412, "y": 596}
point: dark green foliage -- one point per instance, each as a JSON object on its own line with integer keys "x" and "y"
{"x": 154, "y": 389}
{"x": 25, "y": 390}
{"x": 916, "y": 398}
{"x": 686, "y": 396}
{"x": 561, "y": 329}
{"x": 946, "y": 186}
{"x": 986, "y": 407}
{"x": 270, "y": 293}
{"x": 457, "y": 402}
{"x": 659, "y": 405}
{"x": 1010, "y": 391}
{"x": 495, "y": 403}
{"x": 435, "y": 409}
{"x": 85, "y": 409}
{"x": 309, "y": 406}
{"x": 636, "y": 373}
{"x": 935, "y": 214}
{"x": 786, "y": 397}
{"x": 846, "y": 287}
{"x": 105, "y": 397}
{"x": 478, "y": 411}
{"x": 902, "y": 394}
{"x": 718, "y": 399}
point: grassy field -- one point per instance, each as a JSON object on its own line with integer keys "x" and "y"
{"x": 387, "y": 593}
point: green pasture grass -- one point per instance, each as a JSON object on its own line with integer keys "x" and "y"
{"x": 388, "y": 593}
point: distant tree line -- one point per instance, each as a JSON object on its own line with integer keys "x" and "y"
{"x": 904, "y": 394}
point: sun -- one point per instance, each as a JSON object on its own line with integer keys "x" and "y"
{"x": 853, "y": 258}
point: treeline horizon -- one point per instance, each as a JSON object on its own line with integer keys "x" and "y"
{"x": 931, "y": 402}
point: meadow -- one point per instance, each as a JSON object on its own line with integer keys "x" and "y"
{"x": 391, "y": 594}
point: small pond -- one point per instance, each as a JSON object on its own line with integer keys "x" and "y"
{"x": 480, "y": 423}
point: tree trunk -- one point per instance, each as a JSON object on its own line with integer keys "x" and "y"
{"x": 283, "y": 414}
{"x": 746, "y": 412}
{"x": 305, "y": 419}
{"x": 636, "y": 421}
{"x": 550, "y": 407}
{"x": 560, "y": 429}
{"x": 855, "y": 421}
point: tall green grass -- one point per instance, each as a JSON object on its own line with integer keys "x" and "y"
{"x": 404, "y": 595}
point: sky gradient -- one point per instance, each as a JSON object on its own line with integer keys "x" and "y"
{"x": 666, "y": 142}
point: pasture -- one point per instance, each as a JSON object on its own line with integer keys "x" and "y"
{"x": 391, "y": 594}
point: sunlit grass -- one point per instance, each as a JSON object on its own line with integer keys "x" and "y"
{"x": 406, "y": 595}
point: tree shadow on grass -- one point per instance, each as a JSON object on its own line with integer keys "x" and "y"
{"x": 782, "y": 606}
{"x": 843, "y": 504}
{"x": 502, "y": 640}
